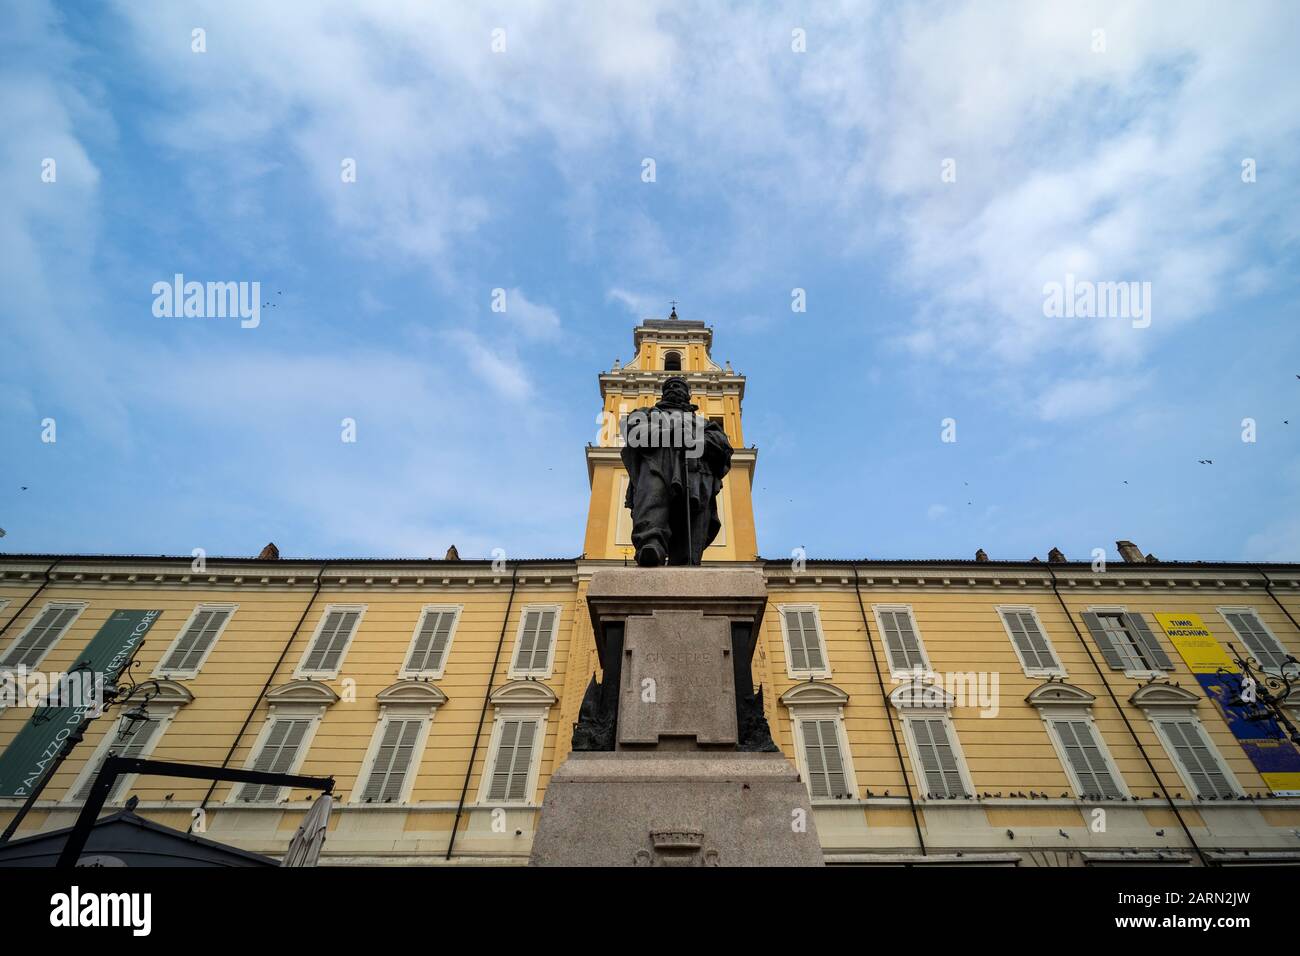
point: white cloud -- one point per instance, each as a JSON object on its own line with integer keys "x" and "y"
{"x": 498, "y": 370}
{"x": 532, "y": 320}
{"x": 1085, "y": 397}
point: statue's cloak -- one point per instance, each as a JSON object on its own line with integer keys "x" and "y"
{"x": 669, "y": 456}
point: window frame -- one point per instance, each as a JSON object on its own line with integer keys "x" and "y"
{"x": 895, "y": 673}
{"x": 908, "y": 717}
{"x": 494, "y": 754}
{"x": 301, "y": 672}
{"x": 1158, "y": 721}
{"x": 520, "y": 673}
{"x": 190, "y": 674}
{"x": 1148, "y": 671}
{"x": 811, "y": 714}
{"x": 804, "y": 673}
{"x": 1268, "y": 631}
{"x": 163, "y": 716}
{"x": 425, "y": 718}
{"x": 79, "y": 606}
{"x": 1050, "y": 715}
{"x": 311, "y": 713}
{"x": 404, "y": 672}
{"x": 1056, "y": 671}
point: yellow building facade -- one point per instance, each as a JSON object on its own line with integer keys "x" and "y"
{"x": 945, "y": 711}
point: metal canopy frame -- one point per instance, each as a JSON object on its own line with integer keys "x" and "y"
{"x": 115, "y": 767}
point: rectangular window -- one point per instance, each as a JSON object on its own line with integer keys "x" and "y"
{"x": 392, "y": 760}
{"x": 901, "y": 640}
{"x": 536, "y": 640}
{"x": 1126, "y": 642}
{"x": 804, "y": 643}
{"x": 196, "y": 640}
{"x": 1031, "y": 643}
{"x": 825, "y": 763}
{"x": 1260, "y": 644}
{"x": 136, "y": 744}
{"x": 1085, "y": 760}
{"x": 42, "y": 634}
{"x": 1197, "y": 758}
{"x": 513, "y": 761}
{"x": 432, "y": 639}
{"x": 325, "y": 655}
{"x": 937, "y": 756}
{"x": 278, "y": 754}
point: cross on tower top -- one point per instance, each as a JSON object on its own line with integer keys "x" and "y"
{"x": 673, "y": 314}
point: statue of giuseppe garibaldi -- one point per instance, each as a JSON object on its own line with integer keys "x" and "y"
{"x": 675, "y": 462}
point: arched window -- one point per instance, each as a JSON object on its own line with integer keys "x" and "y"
{"x": 673, "y": 362}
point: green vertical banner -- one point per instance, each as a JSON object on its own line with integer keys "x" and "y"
{"x": 33, "y": 749}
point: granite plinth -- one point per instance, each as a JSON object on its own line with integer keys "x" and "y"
{"x": 659, "y": 808}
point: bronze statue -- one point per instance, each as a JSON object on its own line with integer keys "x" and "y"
{"x": 675, "y": 462}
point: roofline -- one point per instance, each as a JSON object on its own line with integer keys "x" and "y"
{"x": 130, "y": 816}
{"x": 773, "y": 563}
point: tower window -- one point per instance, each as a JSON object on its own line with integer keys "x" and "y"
{"x": 673, "y": 361}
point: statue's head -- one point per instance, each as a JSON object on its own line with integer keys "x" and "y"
{"x": 676, "y": 390}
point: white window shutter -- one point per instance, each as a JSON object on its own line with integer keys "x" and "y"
{"x": 1193, "y": 751}
{"x": 1078, "y": 739}
{"x": 431, "y": 642}
{"x": 805, "y": 643}
{"x": 513, "y": 760}
{"x": 135, "y": 744}
{"x": 196, "y": 640}
{"x": 276, "y": 756}
{"x": 937, "y": 757}
{"x": 41, "y": 636}
{"x": 535, "y": 640}
{"x": 900, "y": 641}
{"x": 1260, "y": 644}
{"x": 826, "y": 777}
{"x": 1030, "y": 640}
{"x": 327, "y": 651}
{"x": 392, "y": 761}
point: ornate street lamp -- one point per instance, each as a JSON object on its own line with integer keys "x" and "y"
{"x": 1263, "y": 696}
{"x": 115, "y": 693}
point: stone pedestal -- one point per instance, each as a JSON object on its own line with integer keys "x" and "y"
{"x": 673, "y": 764}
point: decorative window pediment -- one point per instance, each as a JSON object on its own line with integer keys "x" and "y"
{"x": 528, "y": 693}
{"x": 302, "y": 692}
{"x": 814, "y": 694}
{"x": 919, "y": 694}
{"x": 170, "y": 693}
{"x": 412, "y": 693}
{"x": 1058, "y": 694}
{"x": 1163, "y": 697}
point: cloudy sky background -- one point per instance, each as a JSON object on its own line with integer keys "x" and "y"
{"x": 775, "y": 170}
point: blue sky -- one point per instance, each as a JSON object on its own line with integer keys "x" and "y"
{"x": 775, "y": 170}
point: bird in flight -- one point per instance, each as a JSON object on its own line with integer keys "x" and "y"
{"x": 1205, "y": 461}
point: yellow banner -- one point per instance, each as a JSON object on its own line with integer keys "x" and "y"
{"x": 1188, "y": 633}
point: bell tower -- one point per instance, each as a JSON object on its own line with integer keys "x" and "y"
{"x": 664, "y": 347}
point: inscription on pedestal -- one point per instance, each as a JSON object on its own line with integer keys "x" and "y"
{"x": 677, "y": 681}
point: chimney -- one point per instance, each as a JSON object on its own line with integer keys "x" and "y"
{"x": 452, "y": 554}
{"x": 980, "y": 556}
{"x": 1130, "y": 552}
{"x": 269, "y": 553}
{"x": 1055, "y": 556}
